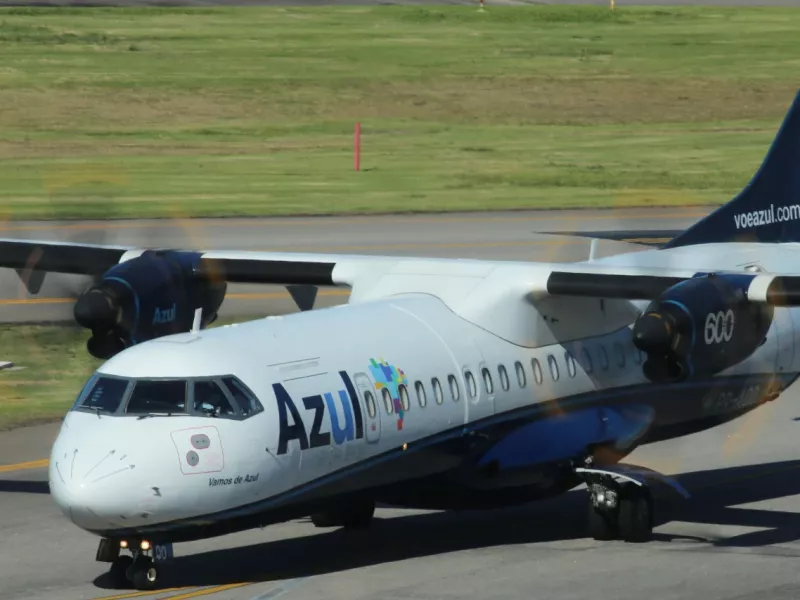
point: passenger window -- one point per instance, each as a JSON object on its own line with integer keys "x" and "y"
{"x": 570, "y": 360}
{"x": 603, "y": 358}
{"x": 487, "y": 381}
{"x": 472, "y": 388}
{"x": 620, "y": 354}
{"x": 421, "y": 397}
{"x": 404, "y": 398}
{"x": 209, "y": 399}
{"x": 106, "y": 394}
{"x": 369, "y": 400}
{"x": 387, "y": 401}
{"x": 537, "y": 371}
{"x": 503, "y": 377}
{"x": 247, "y": 401}
{"x": 520, "y": 374}
{"x": 437, "y": 391}
{"x": 164, "y": 396}
{"x": 454, "y": 391}
{"x": 587, "y": 360}
{"x": 551, "y": 360}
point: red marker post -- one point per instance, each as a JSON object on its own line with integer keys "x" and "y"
{"x": 357, "y": 147}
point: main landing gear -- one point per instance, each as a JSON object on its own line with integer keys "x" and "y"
{"x": 141, "y": 569}
{"x": 621, "y": 505}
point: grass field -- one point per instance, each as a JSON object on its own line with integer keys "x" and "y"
{"x": 56, "y": 366}
{"x": 240, "y": 111}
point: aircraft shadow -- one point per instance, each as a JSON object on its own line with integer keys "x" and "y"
{"x": 24, "y": 487}
{"x": 715, "y": 493}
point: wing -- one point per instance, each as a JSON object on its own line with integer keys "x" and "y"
{"x": 295, "y": 268}
{"x": 627, "y": 283}
{"x": 29, "y": 257}
{"x": 646, "y": 237}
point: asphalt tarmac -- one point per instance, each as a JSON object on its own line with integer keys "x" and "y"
{"x": 736, "y": 539}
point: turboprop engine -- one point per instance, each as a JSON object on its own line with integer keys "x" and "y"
{"x": 152, "y": 295}
{"x": 700, "y": 327}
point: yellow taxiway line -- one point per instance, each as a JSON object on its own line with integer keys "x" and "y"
{"x": 33, "y": 464}
{"x": 140, "y": 594}
{"x": 207, "y": 591}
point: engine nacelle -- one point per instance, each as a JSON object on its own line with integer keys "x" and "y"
{"x": 153, "y": 295}
{"x": 700, "y": 327}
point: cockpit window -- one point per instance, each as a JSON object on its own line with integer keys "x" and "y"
{"x": 209, "y": 399}
{"x": 164, "y": 396}
{"x": 248, "y": 403}
{"x": 106, "y": 394}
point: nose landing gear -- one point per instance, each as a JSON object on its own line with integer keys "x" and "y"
{"x": 140, "y": 570}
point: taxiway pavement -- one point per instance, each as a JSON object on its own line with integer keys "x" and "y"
{"x": 736, "y": 540}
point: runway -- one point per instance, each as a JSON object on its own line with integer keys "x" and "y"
{"x": 736, "y": 540}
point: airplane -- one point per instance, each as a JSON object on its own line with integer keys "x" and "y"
{"x": 441, "y": 384}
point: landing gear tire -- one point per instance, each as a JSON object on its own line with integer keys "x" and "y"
{"x": 118, "y": 572}
{"x": 144, "y": 575}
{"x": 635, "y": 517}
{"x": 630, "y": 518}
{"x": 602, "y": 525}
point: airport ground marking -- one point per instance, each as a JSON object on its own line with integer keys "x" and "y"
{"x": 206, "y": 591}
{"x": 141, "y": 594}
{"x": 24, "y": 466}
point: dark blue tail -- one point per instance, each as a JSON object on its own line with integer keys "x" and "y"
{"x": 768, "y": 209}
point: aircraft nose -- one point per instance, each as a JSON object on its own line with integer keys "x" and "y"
{"x": 95, "y": 486}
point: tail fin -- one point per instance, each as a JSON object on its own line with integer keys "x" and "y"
{"x": 768, "y": 208}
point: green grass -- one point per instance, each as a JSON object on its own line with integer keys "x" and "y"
{"x": 56, "y": 366}
{"x": 245, "y": 111}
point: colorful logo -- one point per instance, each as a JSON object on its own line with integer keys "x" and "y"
{"x": 390, "y": 377}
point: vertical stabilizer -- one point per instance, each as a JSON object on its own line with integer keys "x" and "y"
{"x": 768, "y": 208}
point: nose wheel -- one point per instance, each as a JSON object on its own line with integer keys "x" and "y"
{"x": 140, "y": 570}
{"x": 144, "y": 574}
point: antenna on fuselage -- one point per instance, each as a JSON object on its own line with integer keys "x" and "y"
{"x": 196, "y": 323}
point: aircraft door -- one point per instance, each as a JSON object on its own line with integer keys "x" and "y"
{"x": 372, "y": 418}
{"x": 483, "y": 404}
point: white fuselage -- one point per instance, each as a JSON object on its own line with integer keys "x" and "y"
{"x": 117, "y": 472}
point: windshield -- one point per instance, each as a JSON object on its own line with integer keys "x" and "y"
{"x": 166, "y": 396}
{"x": 225, "y": 397}
{"x": 211, "y": 400}
{"x": 105, "y": 395}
